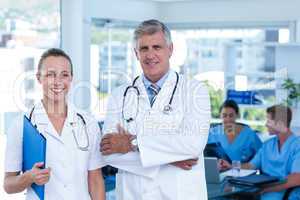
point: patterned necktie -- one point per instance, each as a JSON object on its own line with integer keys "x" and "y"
{"x": 153, "y": 91}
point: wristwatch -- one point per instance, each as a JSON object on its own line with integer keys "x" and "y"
{"x": 134, "y": 144}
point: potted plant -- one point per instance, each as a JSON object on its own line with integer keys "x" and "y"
{"x": 293, "y": 92}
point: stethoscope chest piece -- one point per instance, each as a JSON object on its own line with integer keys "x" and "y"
{"x": 167, "y": 109}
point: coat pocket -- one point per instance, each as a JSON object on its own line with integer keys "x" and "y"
{"x": 191, "y": 184}
{"x": 154, "y": 194}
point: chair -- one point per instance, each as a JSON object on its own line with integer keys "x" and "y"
{"x": 212, "y": 125}
{"x": 240, "y": 123}
{"x": 216, "y": 150}
{"x": 289, "y": 191}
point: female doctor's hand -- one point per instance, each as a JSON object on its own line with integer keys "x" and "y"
{"x": 119, "y": 142}
{"x": 223, "y": 165}
{"x": 40, "y": 176}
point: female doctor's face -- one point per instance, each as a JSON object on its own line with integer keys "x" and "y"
{"x": 55, "y": 77}
{"x": 228, "y": 116}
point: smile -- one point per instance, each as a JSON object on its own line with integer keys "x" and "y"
{"x": 57, "y": 90}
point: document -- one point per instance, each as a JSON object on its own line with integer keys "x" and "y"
{"x": 34, "y": 150}
{"x": 241, "y": 173}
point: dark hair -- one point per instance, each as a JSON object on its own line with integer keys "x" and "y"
{"x": 280, "y": 113}
{"x": 56, "y": 53}
{"x": 150, "y": 27}
{"x": 229, "y": 103}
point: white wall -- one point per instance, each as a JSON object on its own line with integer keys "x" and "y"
{"x": 297, "y": 31}
{"x": 208, "y": 12}
{"x": 76, "y": 42}
{"x": 76, "y": 23}
{"x": 134, "y": 10}
{"x": 77, "y": 15}
{"x": 287, "y": 65}
{"x": 230, "y": 11}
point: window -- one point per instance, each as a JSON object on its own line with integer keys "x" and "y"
{"x": 223, "y": 58}
{"x": 234, "y": 59}
{"x": 112, "y": 59}
{"x": 27, "y": 28}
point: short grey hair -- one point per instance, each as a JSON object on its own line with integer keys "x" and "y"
{"x": 150, "y": 27}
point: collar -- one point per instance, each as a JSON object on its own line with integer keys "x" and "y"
{"x": 40, "y": 116}
{"x": 288, "y": 140}
{"x": 159, "y": 83}
{"x": 165, "y": 91}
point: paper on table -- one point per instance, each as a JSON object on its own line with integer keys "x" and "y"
{"x": 243, "y": 172}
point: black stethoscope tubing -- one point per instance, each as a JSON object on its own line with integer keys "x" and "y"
{"x": 132, "y": 86}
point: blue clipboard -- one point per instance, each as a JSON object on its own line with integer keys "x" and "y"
{"x": 34, "y": 150}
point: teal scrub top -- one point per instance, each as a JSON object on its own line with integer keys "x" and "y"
{"x": 280, "y": 163}
{"x": 242, "y": 148}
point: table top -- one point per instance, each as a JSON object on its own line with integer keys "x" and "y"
{"x": 223, "y": 189}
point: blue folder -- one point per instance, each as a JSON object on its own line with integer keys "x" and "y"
{"x": 34, "y": 150}
{"x": 254, "y": 180}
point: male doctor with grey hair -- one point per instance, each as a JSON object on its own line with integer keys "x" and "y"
{"x": 156, "y": 127}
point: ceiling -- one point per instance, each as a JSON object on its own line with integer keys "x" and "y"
{"x": 168, "y": 0}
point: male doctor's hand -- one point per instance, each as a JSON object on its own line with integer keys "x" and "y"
{"x": 186, "y": 164}
{"x": 119, "y": 142}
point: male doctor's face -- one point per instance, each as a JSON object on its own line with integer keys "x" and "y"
{"x": 154, "y": 53}
{"x": 275, "y": 127}
{"x": 55, "y": 77}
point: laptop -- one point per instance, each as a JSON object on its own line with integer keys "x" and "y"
{"x": 212, "y": 173}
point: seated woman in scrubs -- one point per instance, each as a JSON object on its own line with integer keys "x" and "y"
{"x": 73, "y": 160}
{"x": 278, "y": 156}
{"x": 239, "y": 142}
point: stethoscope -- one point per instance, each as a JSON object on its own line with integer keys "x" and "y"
{"x": 82, "y": 148}
{"x": 167, "y": 108}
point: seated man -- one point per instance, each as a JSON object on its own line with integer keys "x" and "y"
{"x": 279, "y": 156}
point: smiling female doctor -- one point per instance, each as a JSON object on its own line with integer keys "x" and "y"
{"x": 73, "y": 161}
{"x": 238, "y": 141}
{"x": 165, "y": 120}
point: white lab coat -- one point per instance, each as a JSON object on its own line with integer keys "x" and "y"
{"x": 69, "y": 165}
{"x": 162, "y": 139}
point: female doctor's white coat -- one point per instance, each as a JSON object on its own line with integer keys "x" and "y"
{"x": 162, "y": 139}
{"x": 69, "y": 165}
